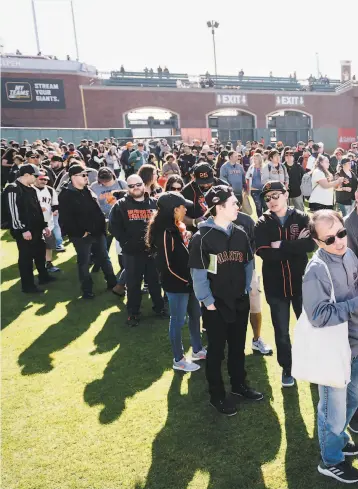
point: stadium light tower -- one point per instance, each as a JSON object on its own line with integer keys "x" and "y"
{"x": 212, "y": 24}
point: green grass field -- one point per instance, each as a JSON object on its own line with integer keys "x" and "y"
{"x": 88, "y": 403}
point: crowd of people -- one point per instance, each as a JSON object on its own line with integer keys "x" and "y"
{"x": 180, "y": 216}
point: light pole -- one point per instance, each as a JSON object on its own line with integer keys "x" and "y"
{"x": 35, "y": 25}
{"x": 212, "y": 24}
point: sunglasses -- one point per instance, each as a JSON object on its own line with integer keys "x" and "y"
{"x": 84, "y": 175}
{"x": 133, "y": 185}
{"x": 329, "y": 241}
{"x": 275, "y": 196}
{"x": 176, "y": 188}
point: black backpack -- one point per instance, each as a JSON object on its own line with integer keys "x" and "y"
{"x": 5, "y": 212}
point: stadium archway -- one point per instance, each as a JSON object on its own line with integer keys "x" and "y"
{"x": 232, "y": 124}
{"x": 152, "y": 122}
{"x": 289, "y": 126}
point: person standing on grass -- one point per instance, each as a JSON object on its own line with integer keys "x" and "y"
{"x": 254, "y": 182}
{"x": 345, "y": 192}
{"x": 323, "y": 185}
{"x": 82, "y": 220}
{"x": 295, "y": 173}
{"x": 233, "y": 174}
{"x": 221, "y": 266}
{"x": 48, "y": 200}
{"x": 167, "y": 240}
{"x": 28, "y": 228}
{"x": 274, "y": 170}
{"x": 336, "y": 406}
{"x": 138, "y": 158}
{"x": 128, "y": 223}
{"x": 282, "y": 242}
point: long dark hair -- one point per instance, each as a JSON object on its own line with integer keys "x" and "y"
{"x": 173, "y": 179}
{"x": 146, "y": 172}
{"x": 161, "y": 220}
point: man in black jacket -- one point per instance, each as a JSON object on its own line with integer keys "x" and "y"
{"x": 27, "y": 227}
{"x": 83, "y": 221}
{"x": 128, "y": 223}
{"x": 282, "y": 241}
{"x": 186, "y": 161}
{"x": 128, "y": 169}
{"x": 295, "y": 174}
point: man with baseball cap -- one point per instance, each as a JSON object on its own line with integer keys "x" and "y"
{"x": 27, "y": 227}
{"x": 203, "y": 180}
{"x": 282, "y": 241}
{"x": 221, "y": 265}
{"x": 83, "y": 221}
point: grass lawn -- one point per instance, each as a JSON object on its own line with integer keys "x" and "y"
{"x": 88, "y": 403}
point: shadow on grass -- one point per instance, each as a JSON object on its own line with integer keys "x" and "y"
{"x": 132, "y": 368}
{"x": 197, "y": 438}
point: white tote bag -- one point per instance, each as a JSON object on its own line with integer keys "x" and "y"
{"x": 321, "y": 355}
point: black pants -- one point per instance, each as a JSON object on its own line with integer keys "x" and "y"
{"x": 280, "y": 316}
{"x": 136, "y": 266}
{"x": 317, "y": 207}
{"x": 83, "y": 247}
{"x": 31, "y": 251}
{"x": 219, "y": 332}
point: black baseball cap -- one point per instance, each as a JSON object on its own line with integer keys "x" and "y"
{"x": 203, "y": 173}
{"x": 171, "y": 200}
{"x": 218, "y": 195}
{"x": 30, "y": 169}
{"x": 31, "y": 154}
{"x": 75, "y": 170}
{"x": 273, "y": 185}
{"x": 56, "y": 158}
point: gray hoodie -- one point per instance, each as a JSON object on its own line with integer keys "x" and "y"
{"x": 316, "y": 291}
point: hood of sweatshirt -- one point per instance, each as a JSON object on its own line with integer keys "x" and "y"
{"x": 210, "y": 223}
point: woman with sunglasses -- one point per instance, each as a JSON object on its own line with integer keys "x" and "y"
{"x": 174, "y": 183}
{"x": 323, "y": 185}
{"x": 167, "y": 239}
{"x": 149, "y": 175}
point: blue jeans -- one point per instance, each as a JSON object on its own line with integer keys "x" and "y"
{"x": 336, "y": 408}
{"x": 57, "y": 231}
{"x": 179, "y": 305}
{"x": 345, "y": 209}
{"x": 255, "y": 194}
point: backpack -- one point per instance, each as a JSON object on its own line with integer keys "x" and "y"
{"x": 306, "y": 185}
{"x": 5, "y": 212}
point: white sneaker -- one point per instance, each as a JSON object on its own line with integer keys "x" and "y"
{"x": 185, "y": 366}
{"x": 261, "y": 346}
{"x": 200, "y": 355}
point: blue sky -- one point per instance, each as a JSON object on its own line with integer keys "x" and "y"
{"x": 258, "y": 35}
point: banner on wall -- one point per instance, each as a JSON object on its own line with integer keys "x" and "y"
{"x": 26, "y": 93}
{"x": 346, "y": 136}
{"x": 188, "y": 134}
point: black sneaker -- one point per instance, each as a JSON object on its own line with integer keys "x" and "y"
{"x": 350, "y": 449}
{"x": 162, "y": 314}
{"x": 33, "y": 290}
{"x": 353, "y": 425}
{"x": 342, "y": 472}
{"x": 287, "y": 379}
{"x": 133, "y": 321}
{"x": 247, "y": 392}
{"x": 224, "y": 407}
{"x": 88, "y": 295}
{"x": 46, "y": 280}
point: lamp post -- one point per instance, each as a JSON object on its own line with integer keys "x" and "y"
{"x": 212, "y": 24}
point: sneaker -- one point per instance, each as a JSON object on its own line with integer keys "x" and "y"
{"x": 224, "y": 407}
{"x": 353, "y": 425}
{"x": 133, "y": 321}
{"x": 88, "y": 295}
{"x": 60, "y": 249}
{"x": 287, "y": 380}
{"x": 46, "y": 280}
{"x": 350, "y": 449}
{"x": 51, "y": 268}
{"x": 162, "y": 314}
{"x": 248, "y": 392}
{"x": 200, "y": 355}
{"x": 119, "y": 290}
{"x": 342, "y": 472}
{"x": 185, "y": 366}
{"x": 33, "y": 290}
{"x": 260, "y": 345}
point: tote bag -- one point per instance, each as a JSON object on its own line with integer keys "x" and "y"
{"x": 321, "y": 355}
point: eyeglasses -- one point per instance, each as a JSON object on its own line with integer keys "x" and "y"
{"x": 329, "y": 241}
{"x": 176, "y": 188}
{"x": 274, "y": 196}
{"x": 133, "y": 185}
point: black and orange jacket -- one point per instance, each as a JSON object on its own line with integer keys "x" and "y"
{"x": 283, "y": 267}
{"x": 128, "y": 222}
{"x": 172, "y": 259}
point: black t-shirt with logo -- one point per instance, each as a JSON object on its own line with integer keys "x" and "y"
{"x": 231, "y": 254}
